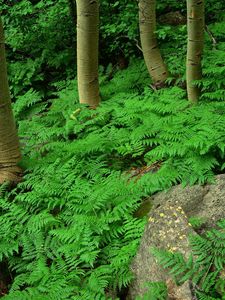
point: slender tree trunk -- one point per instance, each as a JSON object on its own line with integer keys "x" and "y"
{"x": 87, "y": 51}
{"x": 147, "y": 24}
{"x": 9, "y": 143}
{"x": 195, "y": 27}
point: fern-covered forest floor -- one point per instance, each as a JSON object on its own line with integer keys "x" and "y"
{"x": 70, "y": 229}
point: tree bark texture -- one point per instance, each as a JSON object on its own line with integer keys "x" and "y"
{"x": 147, "y": 25}
{"x": 195, "y": 27}
{"x": 9, "y": 142}
{"x": 87, "y": 51}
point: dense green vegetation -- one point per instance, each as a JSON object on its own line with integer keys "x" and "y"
{"x": 70, "y": 229}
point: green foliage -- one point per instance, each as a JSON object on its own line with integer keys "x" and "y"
{"x": 38, "y": 53}
{"x": 68, "y": 230}
{"x": 36, "y": 47}
{"x": 156, "y": 291}
{"x": 117, "y": 15}
{"x": 205, "y": 265}
{"x": 196, "y": 222}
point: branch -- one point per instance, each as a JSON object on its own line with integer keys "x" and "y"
{"x": 211, "y": 36}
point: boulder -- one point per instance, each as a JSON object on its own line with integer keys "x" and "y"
{"x": 206, "y": 202}
{"x": 168, "y": 228}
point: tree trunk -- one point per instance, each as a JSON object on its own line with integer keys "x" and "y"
{"x": 87, "y": 51}
{"x": 9, "y": 143}
{"x": 147, "y": 24}
{"x": 195, "y": 27}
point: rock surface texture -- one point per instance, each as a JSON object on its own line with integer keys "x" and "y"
{"x": 207, "y": 202}
{"x": 168, "y": 228}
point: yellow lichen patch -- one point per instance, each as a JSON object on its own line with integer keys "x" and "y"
{"x": 170, "y": 230}
{"x": 162, "y": 233}
{"x": 152, "y": 220}
{"x": 180, "y": 210}
{"x": 172, "y": 249}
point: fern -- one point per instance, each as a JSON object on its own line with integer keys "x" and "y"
{"x": 156, "y": 291}
{"x": 68, "y": 230}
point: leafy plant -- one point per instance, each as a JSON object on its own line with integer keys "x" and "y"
{"x": 68, "y": 230}
{"x": 156, "y": 291}
{"x": 196, "y": 222}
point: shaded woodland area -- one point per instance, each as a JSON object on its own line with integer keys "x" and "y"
{"x": 103, "y": 104}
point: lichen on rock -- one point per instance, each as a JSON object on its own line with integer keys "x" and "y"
{"x": 168, "y": 228}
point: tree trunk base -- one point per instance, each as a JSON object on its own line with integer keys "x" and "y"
{"x": 11, "y": 174}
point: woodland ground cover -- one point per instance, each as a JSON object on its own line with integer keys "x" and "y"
{"x": 69, "y": 230}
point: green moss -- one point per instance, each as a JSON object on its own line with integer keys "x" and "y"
{"x": 144, "y": 209}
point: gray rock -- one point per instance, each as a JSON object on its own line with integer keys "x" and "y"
{"x": 168, "y": 228}
{"x": 206, "y": 202}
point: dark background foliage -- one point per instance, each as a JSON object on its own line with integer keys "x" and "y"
{"x": 41, "y": 37}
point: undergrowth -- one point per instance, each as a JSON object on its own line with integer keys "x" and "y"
{"x": 68, "y": 230}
